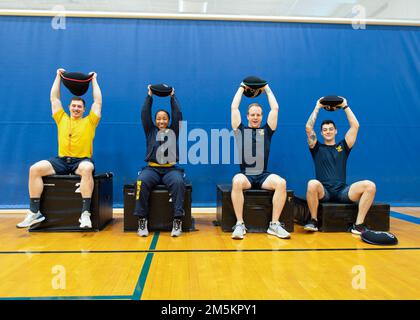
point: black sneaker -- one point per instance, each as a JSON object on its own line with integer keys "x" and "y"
{"x": 358, "y": 228}
{"x": 176, "y": 228}
{"x": 312, "y": 225}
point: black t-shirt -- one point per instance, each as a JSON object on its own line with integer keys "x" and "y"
{"x": 254, "y": 148}
{"x": 330, "y": 164}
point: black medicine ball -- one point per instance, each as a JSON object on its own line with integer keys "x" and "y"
{"x": 379, "y": 237}
{"x": 76, "y": 82}
{"x": 161, "y": 89}
{"x": 332, "y": 102}
{"x": 253, "y": 85}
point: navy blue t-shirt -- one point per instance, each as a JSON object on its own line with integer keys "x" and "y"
{"x": 254, "y": 156}
{"x": 330, "y": 164}
{"x": 155, "y": 138}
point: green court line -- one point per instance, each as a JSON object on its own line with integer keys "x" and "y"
{"x": 138, "y": 290}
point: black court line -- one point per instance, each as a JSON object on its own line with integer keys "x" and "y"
{"x": 214, "y": 250}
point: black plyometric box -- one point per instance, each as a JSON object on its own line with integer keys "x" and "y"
{"x": 258, "y": 207}
{"x": 61, "y": 203}
{"x": 160, "y": 209}
{"x": 339, "y": 217}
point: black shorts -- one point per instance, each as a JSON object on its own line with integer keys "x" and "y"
{"x": 257, "y": 180}
{"x": 341, "y": 195}
{"x": 67, "y": 165}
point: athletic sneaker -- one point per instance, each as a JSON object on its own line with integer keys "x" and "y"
{"x": 142, "y": 230}
{"x": 31, "y": 219}
{"x": 84, "y": 220}
{"x": 276, "y": 229}
{"x": 239, "y": 231}
{"x": 176, "y": 228}
{"x": 312, "y": 225}
{"x": 358, "y": 228}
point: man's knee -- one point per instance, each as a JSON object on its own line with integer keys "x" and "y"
{"x": 238, "y": 182}
{"x": 313, "y": 186}
{"x": 85, "y": 168}
{"x": 41, "y": 168}
{"x": 370, "y": 186}
{"x": 278, "y": 182}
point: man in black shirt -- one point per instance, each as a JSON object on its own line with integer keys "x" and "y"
{"x": 330, "y": 160}
{"x": 254, "y": 147}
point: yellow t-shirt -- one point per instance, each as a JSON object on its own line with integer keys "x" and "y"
{"x": 75, "y": 136}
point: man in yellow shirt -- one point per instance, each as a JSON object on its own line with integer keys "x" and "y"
{"x": 75, "y": 148}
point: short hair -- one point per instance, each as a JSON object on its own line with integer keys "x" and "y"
{"x": 76, "y": 98}
{"x": 161, "y": 110}
{"x": 254, "y": 105}
{"x": 328, "y": 122}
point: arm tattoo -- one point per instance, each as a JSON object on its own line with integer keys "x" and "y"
{"x": 312, "y": 119}
{"x": 312, "y": 139}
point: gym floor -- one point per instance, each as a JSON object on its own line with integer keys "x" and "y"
{"x": 207, "y": 264}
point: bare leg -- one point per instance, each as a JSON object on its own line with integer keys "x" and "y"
{"x": 314, "y": 193}
{"x": 36, "y": 172}
{"x": 239, "y": 183}
{"x": 85, "y": 170}
{"x": 278, "y": 184}
{"x": 364, "y": 192}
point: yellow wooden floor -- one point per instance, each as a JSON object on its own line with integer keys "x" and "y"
{"x": 207, "y": 264}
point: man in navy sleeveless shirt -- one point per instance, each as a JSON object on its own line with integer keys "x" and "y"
{"x": 253, "y": 142}
{"x": 330, "y": 160}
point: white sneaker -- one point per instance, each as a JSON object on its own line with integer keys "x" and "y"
{"x": 239, "y": 231}
{"x": 276, "y": 229}
{"x": 142, "y": 230}
{"x": 84, "y": 220}
{"x": 31, "y": 219}
{"x": 176, "y": 228}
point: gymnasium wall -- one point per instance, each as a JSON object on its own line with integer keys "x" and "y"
{"x": 377, "y": 69}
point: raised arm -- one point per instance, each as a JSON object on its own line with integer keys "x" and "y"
{"x": 235, "y": 114}
{"x": 310, "y": 125}
{"x": 274, "y": 108}
{"x": 146, "y": 112}
{"x": 97, "y": 96}
{"x": 351, "y": 134}
{"x": 55, "y": 93}
{"x": 176, "y": 113}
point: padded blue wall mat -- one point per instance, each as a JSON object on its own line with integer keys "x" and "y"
{"x": 377, "y": 70}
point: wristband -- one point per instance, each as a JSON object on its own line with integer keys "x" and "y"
{"x": 345, "y": 107}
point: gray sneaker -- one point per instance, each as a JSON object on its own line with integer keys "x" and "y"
{"x": 176, "y": 228}
{"x": 276, "y": 229}
{"x": 239, "y": 231}
{"x": 142, "y": 230}
{"x": 31, "y": 219}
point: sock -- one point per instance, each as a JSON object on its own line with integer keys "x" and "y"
{"x": 34, "y": 204}
{"x": 86, "y": 204}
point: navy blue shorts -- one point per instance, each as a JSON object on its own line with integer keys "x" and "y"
{"x": 340, "y": 195}
{"x": 67, "y": 165}
{"x": 257, "y": 180}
